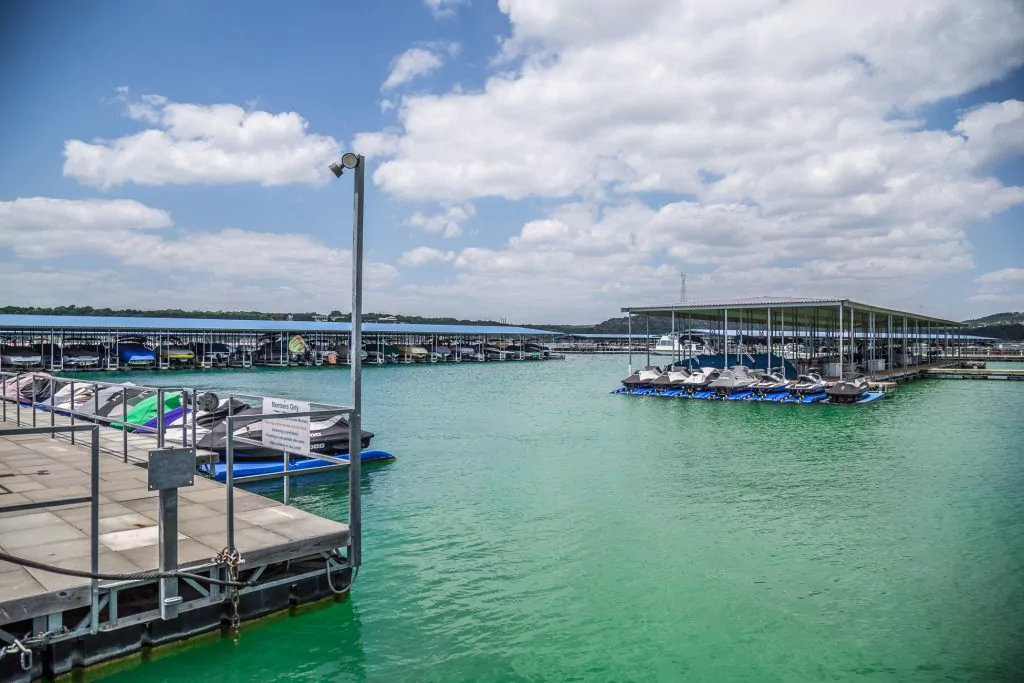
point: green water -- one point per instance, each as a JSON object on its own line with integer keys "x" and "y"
{"x": 536, "y": 528}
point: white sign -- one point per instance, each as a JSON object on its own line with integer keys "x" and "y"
{"x": 289, "y": 434}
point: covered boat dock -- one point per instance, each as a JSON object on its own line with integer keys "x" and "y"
{"x": 832, "y": 336}
{"x": 223, "y": 342}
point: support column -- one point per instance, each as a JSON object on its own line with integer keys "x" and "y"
{"x": 840, "y": 341}
{"x": 725, "y": 340}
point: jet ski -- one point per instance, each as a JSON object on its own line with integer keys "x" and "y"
{"x": 108, "y": 401}
{"x": 811, "y": 383}
{"x": 732, "y": 381}
{"x": 641, "y": 379}
{"x": 25, "y": 387}
{"x": 670, "y": 382}
{"x": 850, "y": 389}
{"x": 327, "y": 436}
{"x": 807, "y": 388}
{"x": 771, "y": 382}
{"x": 697, "y": 383}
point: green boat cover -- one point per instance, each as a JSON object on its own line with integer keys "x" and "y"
{"x": 146, "y": 410}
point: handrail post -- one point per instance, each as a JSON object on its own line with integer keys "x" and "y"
{"x": 159, "y": 418}
{"x": 53, "y": 407}
{"x": 229, "y": 480}
{"x": 94, "y": 528}
{"x": 33, "y": 402}
{"x": 72, "y": 411}
{"x": 184, "y": 418}
{"x": 287, "y": 477}
{"x": 17, "y": 402}
{"x": 124, "y": 423}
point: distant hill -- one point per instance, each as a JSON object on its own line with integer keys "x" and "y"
{"x": 1012, "y": 318}
{"x": 1007, "y": 326}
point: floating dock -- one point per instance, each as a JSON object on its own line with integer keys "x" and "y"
{"x": 72, "y": 507}
{"x": 833, "y": 336}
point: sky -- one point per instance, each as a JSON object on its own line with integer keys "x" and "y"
{"x": 540, "y": 161}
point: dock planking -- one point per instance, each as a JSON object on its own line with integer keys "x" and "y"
{"x": 37, "y": 468}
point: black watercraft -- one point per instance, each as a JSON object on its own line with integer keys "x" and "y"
{"x": 771, "y": 382}
{"x": 671, "y": 379}
{"x": 328, "y": 436}
{"x": 850, "y": 389}
{"x": 811, "y": 383}
{"x": 733, "y": 380}
{"x": 642, "y": 378}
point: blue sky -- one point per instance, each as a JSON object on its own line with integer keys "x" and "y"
{"x": 543, "y": 161}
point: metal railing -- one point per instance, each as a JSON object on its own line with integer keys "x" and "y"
{"x": 91, "y": 622}
{"x": 189, "y": 428}
{"x": 72, "y": 409}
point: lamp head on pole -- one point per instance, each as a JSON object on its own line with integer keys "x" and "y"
{"x": 348, "y": 161}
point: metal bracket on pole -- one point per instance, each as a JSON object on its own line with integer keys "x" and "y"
{"x": 169, "y": 470}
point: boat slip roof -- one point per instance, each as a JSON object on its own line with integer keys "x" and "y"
{"x": 119, "y": 324}
{"x": 712, "y": 307}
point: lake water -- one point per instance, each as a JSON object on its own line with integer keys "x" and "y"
{"x": 536, "y": 528}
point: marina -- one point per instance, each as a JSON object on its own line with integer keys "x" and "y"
{"x": 82, "y": 343}
{"x": 842, "y": 550}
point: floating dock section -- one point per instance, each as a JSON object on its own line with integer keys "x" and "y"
{"x": 104, "y": 556}
{"x": 836, "y": 337}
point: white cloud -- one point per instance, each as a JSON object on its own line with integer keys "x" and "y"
{"x": 418, "y": 61}
{"x": 448, "y": 222}
{"x": 443, "y": 8}
{"x": 791, "y": 128}
{"x": 195, "y": 143}
{"x": 424, "y": 255}
{"x": 1006, "y": 276}
{"x": 995, "y": 130}
{"x": 243, "y": 269}
{"x": 42, "y": 227}
{"x": 1004, "y": 286}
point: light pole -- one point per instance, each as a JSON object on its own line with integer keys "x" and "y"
{"x": 355, "y": 523}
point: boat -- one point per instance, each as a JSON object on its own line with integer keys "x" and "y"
{"x": 78, "y": 355}
{"x": 678, "y": 346}
{"x": 326, "y": 436}
{"x": 273, "y": 350}
{"x": 735, "y": 380}
{"x": 465, "y": 352}
{"x": 134, "y": 352}
{"x": 439, "y": 352}
{"x": 214, "y": 354}
{"x": 19, "y": 357}
{"x": 410, "y": 353}
{"x": 174, "y": 351}
{"x": 641, "y": 379}
{"x": 850, "y": 389}
{"x": 492, "y": 352}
